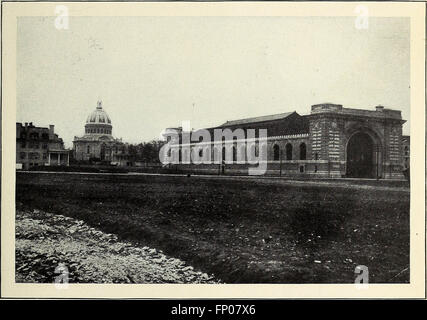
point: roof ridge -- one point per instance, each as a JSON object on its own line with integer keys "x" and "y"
{"x": 275, "y": 116}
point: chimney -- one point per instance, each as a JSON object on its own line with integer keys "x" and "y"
{"x": 51, "y": 131}
{"x": 379, "y": 108}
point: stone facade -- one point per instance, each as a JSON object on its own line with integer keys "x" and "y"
{"x": 39, "y": 146}
{"x": 331, "y": 141}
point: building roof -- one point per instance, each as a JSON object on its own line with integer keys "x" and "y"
{"x": 288, "y": 123}
{"x": 96, "y": 137}
{"x": 257, "y": 119}
{"x": 98, "y": 116}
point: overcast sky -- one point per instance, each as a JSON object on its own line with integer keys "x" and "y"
{"x": 154, "y": 72}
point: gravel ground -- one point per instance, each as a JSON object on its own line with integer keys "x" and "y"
{"x": 44, "y": 240}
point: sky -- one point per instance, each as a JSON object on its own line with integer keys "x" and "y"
{"x": 155, "y": 72}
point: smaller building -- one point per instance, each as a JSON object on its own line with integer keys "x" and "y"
{"x": 39, "y": 146}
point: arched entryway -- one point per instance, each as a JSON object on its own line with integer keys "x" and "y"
{"x": 361, "y": 156}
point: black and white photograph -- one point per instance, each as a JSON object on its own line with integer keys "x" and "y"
{"x": 202, "y": 149}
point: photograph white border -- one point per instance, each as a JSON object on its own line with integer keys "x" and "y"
{"x": 416, "y": 287}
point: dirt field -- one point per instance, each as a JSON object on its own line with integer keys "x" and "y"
{"x": 240, "y": 230}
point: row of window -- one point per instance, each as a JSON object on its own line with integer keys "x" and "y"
{"x": 98, "y": 130}
{"x": 276, "y": 152}
{"x": 34, "y": 135}
{"x": 33, "y": 145}
{"x": 289, "y": 151}
{"x": 32, "y": 155}
{"x": 115, "y": 149}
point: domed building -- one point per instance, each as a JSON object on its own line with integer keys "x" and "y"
{"x": 98, "y": 122}
{"x": 98, "y": 143}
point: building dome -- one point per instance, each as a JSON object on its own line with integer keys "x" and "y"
{"x": 98, "y": 116}
{"x": 98, "y": 122}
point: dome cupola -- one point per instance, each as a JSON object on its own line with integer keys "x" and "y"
{"x": 98, "y": 115}
{"x": 98, "y": 122}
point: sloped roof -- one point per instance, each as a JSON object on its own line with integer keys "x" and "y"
{"x": 257, "y": 119}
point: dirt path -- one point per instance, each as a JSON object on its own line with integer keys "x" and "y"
{"x": 45, "y": 240}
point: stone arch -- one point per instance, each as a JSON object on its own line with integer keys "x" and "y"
{"x": 363, "y": 153}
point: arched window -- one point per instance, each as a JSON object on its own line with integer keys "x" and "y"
{"x": 234, "y": 154}
{"x": 88, "y": 149}
{"x": 276, "y": 152}
{"x": 302, "y": 151}
{"x": 316, "y": 156}
{"x": 201, "y": 153}
{"x": 288, "y": 151}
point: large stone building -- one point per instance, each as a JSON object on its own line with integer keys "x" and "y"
{"x": 98, "y": 142}
{"x": 331, "y": 141}
{"x": 39, "y": 146}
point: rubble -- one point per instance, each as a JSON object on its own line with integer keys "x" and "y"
{"x": 45, "y": 240}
